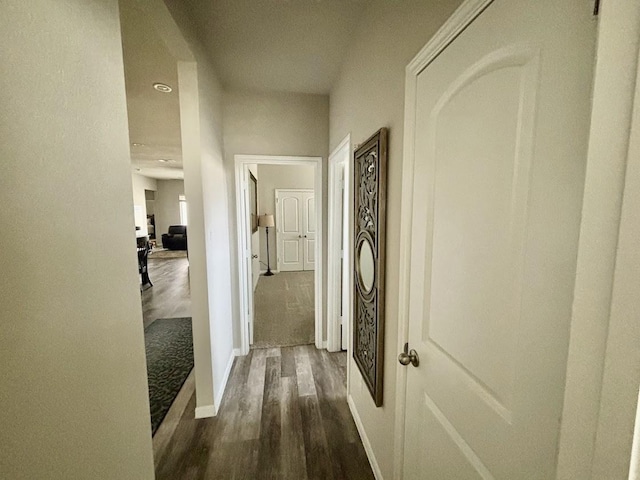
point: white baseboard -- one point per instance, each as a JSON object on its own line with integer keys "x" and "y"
{"x": 206, "y": 411}
{"x": 365, "y": 440}
{"x": 225, "y": 379}
{"x": 237, "y": 352}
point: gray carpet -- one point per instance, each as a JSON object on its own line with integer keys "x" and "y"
{"x": 169, "y": 347}
{"x": 284, "y": 310}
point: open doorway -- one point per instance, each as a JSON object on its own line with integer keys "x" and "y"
{"x": 153, "y": 94}
{"x": 279, "y": 212}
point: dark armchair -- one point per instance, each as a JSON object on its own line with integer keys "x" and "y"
{"x": 176, "y": 239}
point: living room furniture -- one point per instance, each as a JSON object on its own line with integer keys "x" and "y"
{"x": 176, "y": 239}
{"x": 143, "y": 248}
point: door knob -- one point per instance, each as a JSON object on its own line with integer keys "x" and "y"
{"x": 299, "y": 236}
{"x": 409, "y": 357}
{"x": 254, "y": 256}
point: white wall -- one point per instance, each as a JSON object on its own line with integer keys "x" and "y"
{"x": 271, "y": 178}
{"x": 74, "y": 398}
{"x": 272, "y": 124}
{"x": 141, "y": 183}
{"x": 369, "y": 94}
{"x": 206, "y": 189}
{"x": 167, "y": 205}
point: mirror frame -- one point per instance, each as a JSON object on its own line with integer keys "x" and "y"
{"x": 370, "y": 206}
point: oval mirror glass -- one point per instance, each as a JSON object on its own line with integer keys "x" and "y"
{"x": 366, "y": 266}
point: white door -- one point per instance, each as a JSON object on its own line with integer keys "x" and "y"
{"x": 295, "y": 225}
{"x": 502, "y": 117}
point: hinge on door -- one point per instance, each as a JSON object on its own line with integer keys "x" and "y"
{"x": 596, "y": 7}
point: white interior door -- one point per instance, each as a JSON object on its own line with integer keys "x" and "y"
{"x": 295, "y": 224}
{"x": 502, "y": 117}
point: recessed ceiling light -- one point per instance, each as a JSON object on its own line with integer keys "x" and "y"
{"x": 163, "y": 160}
{"x": 162, "y": 87}
{"x": 137, "y": 144}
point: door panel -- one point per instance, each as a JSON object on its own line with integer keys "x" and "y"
{"x": 310, "y": 210}
{"x": 502, "y": 118}
{"x": 290, "y": 252}
{"x": 291, "y": 215}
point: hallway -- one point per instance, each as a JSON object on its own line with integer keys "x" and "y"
{"x": 284, "y": 416}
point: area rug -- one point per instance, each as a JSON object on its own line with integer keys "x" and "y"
{"x": 284, "y": 310}
{"x": 163, "y": 254}
{"x": 169, "y": 347}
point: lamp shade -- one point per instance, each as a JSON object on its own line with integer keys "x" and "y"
{"x": 266, "y": 220}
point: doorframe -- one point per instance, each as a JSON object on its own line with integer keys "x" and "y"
{"x": 336, "y": 237}
{"x": 277, "y": 192}
{"x": 613, "y": 94}
{"x": 241, "y": 163}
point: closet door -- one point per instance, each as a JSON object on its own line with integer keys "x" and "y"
{"x": 296, "y": 227}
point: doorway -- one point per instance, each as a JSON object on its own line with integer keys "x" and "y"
{"x": 159, "y": 79}
{"x": 245, "y": 168}
{"x": 338, "y": 252}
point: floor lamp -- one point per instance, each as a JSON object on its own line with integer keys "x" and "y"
{"x": 266, "y": 221}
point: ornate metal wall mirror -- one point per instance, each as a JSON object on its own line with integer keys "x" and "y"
{"x": 370, "y": 173}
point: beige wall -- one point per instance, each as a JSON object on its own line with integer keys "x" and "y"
{"x": 74, "y": 399}
{"x": 369, "y": 94}
{"x": 272, "y": 124}
{"x": 140, "y": 184}
{"x": 167, "y": 205}
{"x": 278, "y": 176}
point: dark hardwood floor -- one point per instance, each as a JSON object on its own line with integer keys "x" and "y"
{"x": 284, "y": 416}
{"x": 170, "y": 295}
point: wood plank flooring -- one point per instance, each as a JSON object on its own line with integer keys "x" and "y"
{"x": 170, "y": 295}
{"x": 284, "y": 416}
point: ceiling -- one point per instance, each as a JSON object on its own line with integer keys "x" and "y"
{"x": 259, "y": 45}
{"x": 154, "y": 117}
{"x": 277, "y": 45}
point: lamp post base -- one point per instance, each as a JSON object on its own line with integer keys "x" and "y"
{"x": 269, "y": 273}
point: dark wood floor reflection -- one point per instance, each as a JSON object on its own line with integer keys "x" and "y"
{"x": 284, "y": 416}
